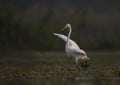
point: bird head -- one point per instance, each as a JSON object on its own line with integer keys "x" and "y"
{"x": 66, "y": 26}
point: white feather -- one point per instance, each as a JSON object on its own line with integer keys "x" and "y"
{"x": 71, "y": 47}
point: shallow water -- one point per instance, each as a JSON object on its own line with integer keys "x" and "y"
{"x": 60, "y": 82}
{"x": 54, "y": 68}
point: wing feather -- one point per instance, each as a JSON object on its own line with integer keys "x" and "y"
{"x": 78, "y": 52}
{"x": 63, "y": 37}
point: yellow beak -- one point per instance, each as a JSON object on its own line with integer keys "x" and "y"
{"x": 64, "y": 28}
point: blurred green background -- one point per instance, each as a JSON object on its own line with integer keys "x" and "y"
{"x": 29, "y": 24}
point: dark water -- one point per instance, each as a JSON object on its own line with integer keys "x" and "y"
{"x": 61, "y": 82}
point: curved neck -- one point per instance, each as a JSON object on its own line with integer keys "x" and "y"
{"x": 70, "y": 30}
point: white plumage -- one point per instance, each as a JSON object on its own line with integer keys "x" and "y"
{"x": 71, "y": 48}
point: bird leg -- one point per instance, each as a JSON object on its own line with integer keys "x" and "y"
{"x": 78, "y": 65}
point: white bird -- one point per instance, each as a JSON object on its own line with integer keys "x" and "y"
{"x": 71, "y": 48}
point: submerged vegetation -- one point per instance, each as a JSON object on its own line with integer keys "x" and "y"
{"x": 57, "y": 68}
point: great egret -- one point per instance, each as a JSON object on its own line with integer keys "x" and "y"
{"x": 72, "y": 49}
